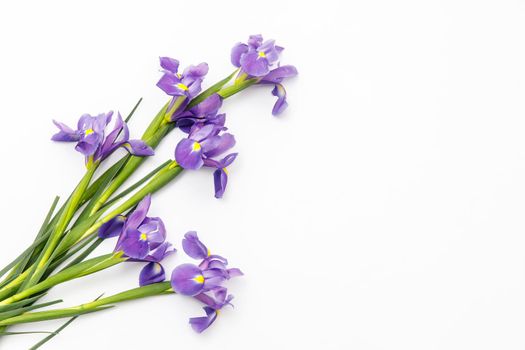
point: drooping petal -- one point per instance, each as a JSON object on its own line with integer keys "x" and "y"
{"x": 220, "y": 180}
{"x": 133, "y": 244}
{"x": 193, "y": 247}
{"x": 112, "y": 228}
{"x": 169, "y": 64}
{"x": 139, "y": 148}
{"x": 278, "y": 74}
{"x": 237, "y": 51}
{"x": 234, "y": 272}
{"x": 139, "y": 214}
{"x": 228, "y": 160}
{"x": 188, "y": 154}
{"x": 153, "y": 272}
{"x": 65, "y": 134}
{"x": 200, "y": 324}
{"x": 187, "y": 279}
{"x": 280, "y": 104}
{"x": 254, "y": 65}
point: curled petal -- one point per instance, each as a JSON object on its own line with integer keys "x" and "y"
{"x": 237, "y": 51}
{"x": 151, "y": 273}
{"x": 188, "y": 154}
{"x": 193, "y": 247}
{"x": 198, "y": 71}
{"x": 200, "y": 324}
{"x": 112, "y": 228}
{"x": 65, "y": 134}
{"x": 139, "y": 148}
{"x": 220, "y": 180}
{"x": 280, "y": 104}
{"x": 187, "y": 279}
{"x": 169, "y": 64}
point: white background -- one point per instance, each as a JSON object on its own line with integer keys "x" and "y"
{"x": 382, "y": 210}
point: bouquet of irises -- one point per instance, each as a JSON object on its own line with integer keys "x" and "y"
{"x": 103, "y": 206}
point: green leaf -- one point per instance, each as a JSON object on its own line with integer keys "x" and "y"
{"x": 79, "y": 270}
{"x": 72, "y": 252}
{"x": 136, "y": 184}
{"x": 12, "y": 313}
{"x": 211, "y": 90}
{"x": 23, "y": 258}
{"x": 53, "y": 334}
{"x": 21, "y": 333}
{"x": 161, "y": 288}
{"x": 133, "y": 111}
{"x": 21, "y": 303}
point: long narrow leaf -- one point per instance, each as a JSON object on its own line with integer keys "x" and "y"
{"x": 12, "y": 313}
{"x": 60, "y": 329}
{"x": 136, "y": 184}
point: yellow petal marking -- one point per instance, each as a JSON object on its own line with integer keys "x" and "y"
{"x": 199, "y": 279}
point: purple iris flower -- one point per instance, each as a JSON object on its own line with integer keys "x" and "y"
{"x": 203, "y": 142}
{"x": 203, "y": 281}
{"x": 141, "y": 235}
{"x": 260, "y": 59}
{"x": 183, "y": 86}
{"x": 92, "y": 141}
{"x": 257, "y": 57}
{"x": 141, "y": 239}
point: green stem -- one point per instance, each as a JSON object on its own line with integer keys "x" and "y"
{"x": 98, "y": 305}
{"x": 63, "y": 221}
{"x": 82, "y": 269}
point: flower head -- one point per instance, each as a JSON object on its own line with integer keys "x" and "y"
{"x": 257, "y": 56}
{"x": 204, "y": 141}
{"x": 203, "y": 281}
{"x": 203, "y": 144}
{"x": 92, "y": 140}
{"x": 181, "y": 86}
{"x": 141, "y": 239}
{"x": 260, "y": 59}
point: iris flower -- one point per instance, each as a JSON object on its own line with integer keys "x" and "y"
{"x": 260, "y": 59}
{"x": 92, "y": 141}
